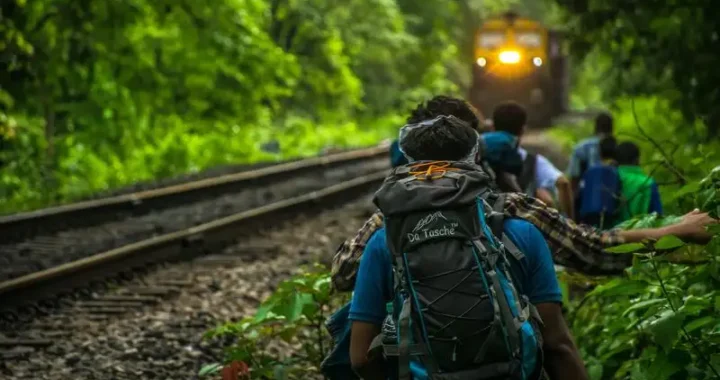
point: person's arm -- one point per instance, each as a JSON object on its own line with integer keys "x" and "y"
{"x": 548, "y": 178}
{"x": 562, "y": 359}
{"x": 692, "y": 228}
{"x": 582, "y": 247}
{"x": 347, "y": 256}
{"x": 566, "y": 196}
{"x": 546, "y": 196}
{"x": 367, "y": 310}
{"x": 655, "y": 204}
{"x": 368, "y": 368}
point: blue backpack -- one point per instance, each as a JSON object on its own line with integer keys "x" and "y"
{"x": 599, "y": 196}
{"x": 500, "y": 150}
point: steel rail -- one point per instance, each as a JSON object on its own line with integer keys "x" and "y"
{"x": 190, "y": 242}
{"x": 20, "y": 226}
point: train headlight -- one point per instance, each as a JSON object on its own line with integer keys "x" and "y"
{"x": 510, "y": 57}
{"x": 537, "y": 61}
{"x": 481, "y": 62}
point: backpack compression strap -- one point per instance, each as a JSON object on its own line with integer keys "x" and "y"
{"x": 526, "y": 180}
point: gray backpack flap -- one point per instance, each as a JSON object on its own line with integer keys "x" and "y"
{"x": 461, "y": 316}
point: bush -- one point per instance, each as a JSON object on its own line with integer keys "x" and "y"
{"x": 286, "y": 338}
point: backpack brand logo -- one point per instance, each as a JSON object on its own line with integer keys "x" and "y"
{"x": 421, "y": 230}
{"x": 430, "y": 218}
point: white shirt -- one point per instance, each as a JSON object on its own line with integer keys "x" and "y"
{"x": 546, "y": 174}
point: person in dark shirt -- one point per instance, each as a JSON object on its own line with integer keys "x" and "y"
{"x": 600, "y": 189}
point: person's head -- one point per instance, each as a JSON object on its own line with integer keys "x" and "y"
{"x": 628, "y": 154}
{"x": 444, "y": 138}
{"x": 604, "y": 124}
{"x": 446, "y": 105}
{"x": 510, "y": 117}
{"x": 608, "y": 147}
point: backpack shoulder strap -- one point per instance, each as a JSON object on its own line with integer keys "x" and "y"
{"x": 497, "y": 217}
{"x": 512, "y": 248}
{"x": 527, "y": 177}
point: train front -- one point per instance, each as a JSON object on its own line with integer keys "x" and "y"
{"x": 511, "y": 63}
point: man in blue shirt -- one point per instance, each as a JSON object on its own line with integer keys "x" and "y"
{"x": 535, "y": 273}
{"x": 587, "y": 152}
{"x": 600, "y": 189}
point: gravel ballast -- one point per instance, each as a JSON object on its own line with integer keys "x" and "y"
{"x": 163, "y": 341}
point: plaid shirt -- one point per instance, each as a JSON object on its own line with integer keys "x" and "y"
{"x": 574, "y": 246}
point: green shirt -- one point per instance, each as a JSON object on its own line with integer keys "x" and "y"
{"x": 637, "y": 189}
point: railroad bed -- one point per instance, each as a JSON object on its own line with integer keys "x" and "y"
{"x": 97, "y": 238}
{"x": 151, "y": 327}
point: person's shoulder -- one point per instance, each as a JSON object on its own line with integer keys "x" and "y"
{"x": 542, "y": 160}
{"x": 526, "y": 236}
{"x": 586, "y": 142}
{"x": 520, "y": 229}
{"x": 378, "y": 240}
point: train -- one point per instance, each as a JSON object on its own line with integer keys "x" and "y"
{"x": 519, "y": 59}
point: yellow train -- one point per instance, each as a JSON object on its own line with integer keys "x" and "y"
{"x": 519, "y": 59}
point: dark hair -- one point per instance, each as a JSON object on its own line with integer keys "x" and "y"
{"x": 608, "y": 148}
{"x": 604, "y": 124}
{"x": 449, "y": 138}
{"x": 627, "y": 153}
{"x": 509, "y": 117}
{"x": 446, "y": 105}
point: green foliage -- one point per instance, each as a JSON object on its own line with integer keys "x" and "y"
{"x": 295, "y": 314}
{"x": 653, "y": 48}
{"x": 95, "y": 95}
{"x": 660, "y": 321}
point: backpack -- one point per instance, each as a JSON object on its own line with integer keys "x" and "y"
{"x": 599, "y": 196}
{"x": 459, "y": 312}
{"x": 500, "y": 151}
{"x": 526, "y": 180}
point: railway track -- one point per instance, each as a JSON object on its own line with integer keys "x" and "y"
{"x": 108, "y": 241}
{"x": 151, "y": 327}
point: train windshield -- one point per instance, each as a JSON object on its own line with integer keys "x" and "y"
{"x": 529, "y": 39}
{"x": 491, "y": 40}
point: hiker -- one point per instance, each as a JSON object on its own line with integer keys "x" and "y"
{"x": 600, "y": 188}
{"x": 587, "y": 152}
{"x": 640, "y": 193}
{"x": 576, "y": 246}
{"x": 455, "y": 295}
{"x": 539, "y": 177}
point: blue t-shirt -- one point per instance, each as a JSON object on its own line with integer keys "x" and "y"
{"x": 373, "y": 286}
{"x": 586, "y": 154}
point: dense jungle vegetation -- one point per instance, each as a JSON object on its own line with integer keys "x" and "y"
{"x": 98, "y": 94}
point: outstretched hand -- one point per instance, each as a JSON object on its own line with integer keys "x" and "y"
{"x": 692, "y": 227}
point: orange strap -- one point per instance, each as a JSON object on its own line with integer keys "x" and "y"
{"x": 430, "y": 170}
